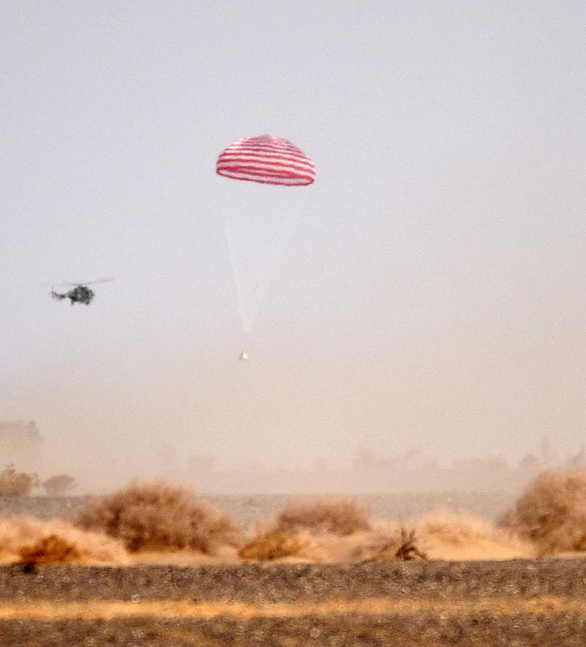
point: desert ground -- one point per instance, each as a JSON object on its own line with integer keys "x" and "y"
{"x": 152, "y": 564}
{"x": 492, "y": 603}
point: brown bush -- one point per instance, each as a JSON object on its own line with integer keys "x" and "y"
{"x": 160, "y": 516}
{"x": 551, "y": 512}
{"x": 338, "y": 516}
{"x": 51, "y": 549}
{"x": 32, "y": 540}
{"x": 13, "y": 483}
{"x": 277, "y": 544}
{"x": 571, "y": 535}
{"x": 59, "y": 484}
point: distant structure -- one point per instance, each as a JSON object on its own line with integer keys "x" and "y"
{"x": 20, "y": 443}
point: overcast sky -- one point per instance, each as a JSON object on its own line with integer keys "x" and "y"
{"x": 428, "y": 291}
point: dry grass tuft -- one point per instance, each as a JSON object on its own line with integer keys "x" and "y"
{"x": 400, "y": 546}
{"x": 13, "y": 483}
{"x": 30, "y": 540}
{"x": 408, "y": 550}
{"x": 551, "y": 512}
{"x": 277, "y": 544}
{"x": 339, "y": 516}
{"x": 160, "y": 516}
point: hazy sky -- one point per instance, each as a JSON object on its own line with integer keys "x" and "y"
{"x": 431, "y": 295}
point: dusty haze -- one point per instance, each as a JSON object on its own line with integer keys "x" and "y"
{"x": 429, "y": 299}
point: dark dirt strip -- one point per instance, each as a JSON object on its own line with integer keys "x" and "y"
{"x": 447, "y": 612}
{"x": 423, "y": 630}
{"x": 296, "y": 582}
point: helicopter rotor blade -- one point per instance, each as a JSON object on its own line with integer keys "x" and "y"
{"x": 65, "y": 284}
{"x": 89, "y": 282}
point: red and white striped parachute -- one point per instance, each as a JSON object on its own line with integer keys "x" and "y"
{"x": 268, "y": 160}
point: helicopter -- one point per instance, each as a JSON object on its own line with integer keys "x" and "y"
{"x": 79, "y": 293}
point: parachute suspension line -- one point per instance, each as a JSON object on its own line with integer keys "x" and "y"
{"x": 231, "y": 255}
{"x": 254, "y": 257}
{"x": 253, "y": 281}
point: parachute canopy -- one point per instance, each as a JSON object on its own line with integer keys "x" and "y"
{"x": 268, "y": 160}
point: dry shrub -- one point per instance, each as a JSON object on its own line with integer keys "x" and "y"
{"x": 278, "y": 544}
{"x": 33, "y": 541}
{"x": 571, "y": 535}
{"x": 160, "y": 516}
{"x": 59, "y": 484}
{"x": 401, "y": 546}
{"x": 51, "y": 549}
{"x": 551, "y": 512}
{"x": 408, "y": 550}
{"x": 339, "y": 516}
{"x": 13, "y": 483}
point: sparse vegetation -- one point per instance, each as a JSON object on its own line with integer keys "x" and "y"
{"x": 160, "y": 516}
{"x": 59, "y": 484}
{"x": 549, "y": 517}
{"x": 408, "y": 549}
{"x": 338, "y": 516}
{"x": 401, "y": 546}
{"x": 551, "y": 513}
{"x": 13, "y": 483}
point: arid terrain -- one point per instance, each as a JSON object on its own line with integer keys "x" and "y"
{"x": 517, "y": 602}
{"x": 153, "y": 564}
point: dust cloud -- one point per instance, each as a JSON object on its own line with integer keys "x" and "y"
{"x": 159, "y": 522}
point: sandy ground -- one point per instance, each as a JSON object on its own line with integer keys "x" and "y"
{"x": 517, "y": 602}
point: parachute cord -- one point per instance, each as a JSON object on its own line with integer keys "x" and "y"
{"x": 250, "y": 305}
{"x": 230, "y": 245}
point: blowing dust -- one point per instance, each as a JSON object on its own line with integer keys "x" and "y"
{"x": 159, "y": 522}
{"x": 33, "y": 541}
